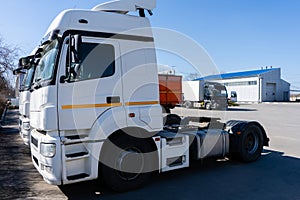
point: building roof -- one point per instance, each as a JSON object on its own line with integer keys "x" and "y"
{"x": 236, "y": 74}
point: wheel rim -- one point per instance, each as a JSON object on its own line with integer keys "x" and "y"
{"x": 187, "y": 104}
{"x": 251, "y": 143}
{"x": 130, "y": 163}
{"x": 207, "y": 106}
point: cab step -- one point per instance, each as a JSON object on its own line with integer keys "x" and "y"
{"x": 75, "y": 155}
{"x": 77, "y": 176}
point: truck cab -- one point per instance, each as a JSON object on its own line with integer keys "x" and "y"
{"x": 233, "y": 96}
{"x": 24, "y": 122}
{"x": 27, "y": 68}
{"x": 90, "y": 85}
{"x": 215, "y": 96}
{"x": 204, "y": 94}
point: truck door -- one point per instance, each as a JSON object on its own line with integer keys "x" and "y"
{"x": 92, "y": 87}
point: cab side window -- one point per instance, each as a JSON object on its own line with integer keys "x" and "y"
{"x": 97, "y": 61}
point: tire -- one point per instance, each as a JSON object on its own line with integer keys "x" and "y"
{"x": 226, "y": 107}
{"x": 168, "y": 110}
{"x": 250, "y": 144}
{"x": 127, "y": 167}
{"x": 208, "y": 106}
{"x": 187, "y": 104}
{"x": 172, "y": 119}
{"x": 163, "y": 109}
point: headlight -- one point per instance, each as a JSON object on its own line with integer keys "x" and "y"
{"x": 48, "y": 150}
{"x": 26, "y": 126}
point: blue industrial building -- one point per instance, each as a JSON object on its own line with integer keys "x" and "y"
{"x": 263, "y": 85}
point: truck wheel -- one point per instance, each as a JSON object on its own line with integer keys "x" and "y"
{"x": 208, "y": 106}
{"x": 172, "y": 119}
{"x": 127, "y": 163}
{"x": 250, "y": 144}
{"x": 187, "y": 104}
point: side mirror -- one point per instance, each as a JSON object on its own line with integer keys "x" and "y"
{"x": 75, "y": 43}
{"x": 18, "y": 71}
{"x": 24, "y": 61}
{"x": 39, "y": 52}
{"x": 74, "y": 58}
{"x": 63, "y": 79}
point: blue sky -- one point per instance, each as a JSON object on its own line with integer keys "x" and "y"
{"x": 237, "y": 34}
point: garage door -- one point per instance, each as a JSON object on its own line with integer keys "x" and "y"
{"x": 271, "y": 92}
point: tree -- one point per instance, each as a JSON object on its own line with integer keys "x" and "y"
{"x": 8, "y": 59}
{"x": 192, "y": 76}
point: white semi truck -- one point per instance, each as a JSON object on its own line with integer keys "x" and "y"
{"x": 24, "y": 97}
{"x": 204, "y": 94}
{"x": 95, "y": 109}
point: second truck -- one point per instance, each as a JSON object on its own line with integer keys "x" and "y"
{"x": 95, "y": 109}
{"x": 204, "y": 94}
{"x": 27, "y": 68}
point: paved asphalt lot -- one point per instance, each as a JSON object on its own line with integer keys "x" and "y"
{"x": 276, "y": 175}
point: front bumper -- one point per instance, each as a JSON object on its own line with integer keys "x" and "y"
{"x": 45, "y": 165}
{"x": 24, "y": 133}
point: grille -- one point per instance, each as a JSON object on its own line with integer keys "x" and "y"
{"x": 35, "y": 160}
{"x": 34, "y": 141}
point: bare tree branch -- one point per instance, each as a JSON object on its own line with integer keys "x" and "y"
{"x": 8, "y": 60}
{"x": 8, "y": 57}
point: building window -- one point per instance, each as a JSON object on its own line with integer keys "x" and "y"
{"x": 241, "y": 83}
{"x": 252, "y": 82}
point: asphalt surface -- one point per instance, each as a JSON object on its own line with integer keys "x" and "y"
{"x": 18, "y": 177}
{"x": 276, "y": 175}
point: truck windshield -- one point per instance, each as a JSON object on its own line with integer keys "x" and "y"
{"x": 218, "y": 91}
{"x": 45, "y": 68}
{"x": 28, "y": 79}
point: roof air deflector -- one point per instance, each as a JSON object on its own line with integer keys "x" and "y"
{"x": 125, "y": 6}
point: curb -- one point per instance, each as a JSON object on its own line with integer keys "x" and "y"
{"x": 256, "y": 103}
{"x": 3, "y": 115}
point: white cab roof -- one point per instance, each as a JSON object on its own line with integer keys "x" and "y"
{"x": 99, "y": 21}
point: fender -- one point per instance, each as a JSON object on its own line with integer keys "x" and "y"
{"x": 111, "y": 121}
{"x": 236, "y": 128}
{"x": 107, "y": 123}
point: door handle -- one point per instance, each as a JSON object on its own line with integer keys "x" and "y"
{"x": 115, "y": 99}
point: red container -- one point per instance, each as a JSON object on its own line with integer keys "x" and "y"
{"x": 170, "y": 90}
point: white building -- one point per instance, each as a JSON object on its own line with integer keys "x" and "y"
{"x": 263, "y": 85}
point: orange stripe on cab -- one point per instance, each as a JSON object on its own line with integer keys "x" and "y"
{"x": 141, "y": 103}
{"x": 65, "y": 107}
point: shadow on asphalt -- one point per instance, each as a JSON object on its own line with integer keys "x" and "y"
{"x": 273, "y": 176}
{"x": 241, "y": 109}
{"x": 14, "y": 160}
